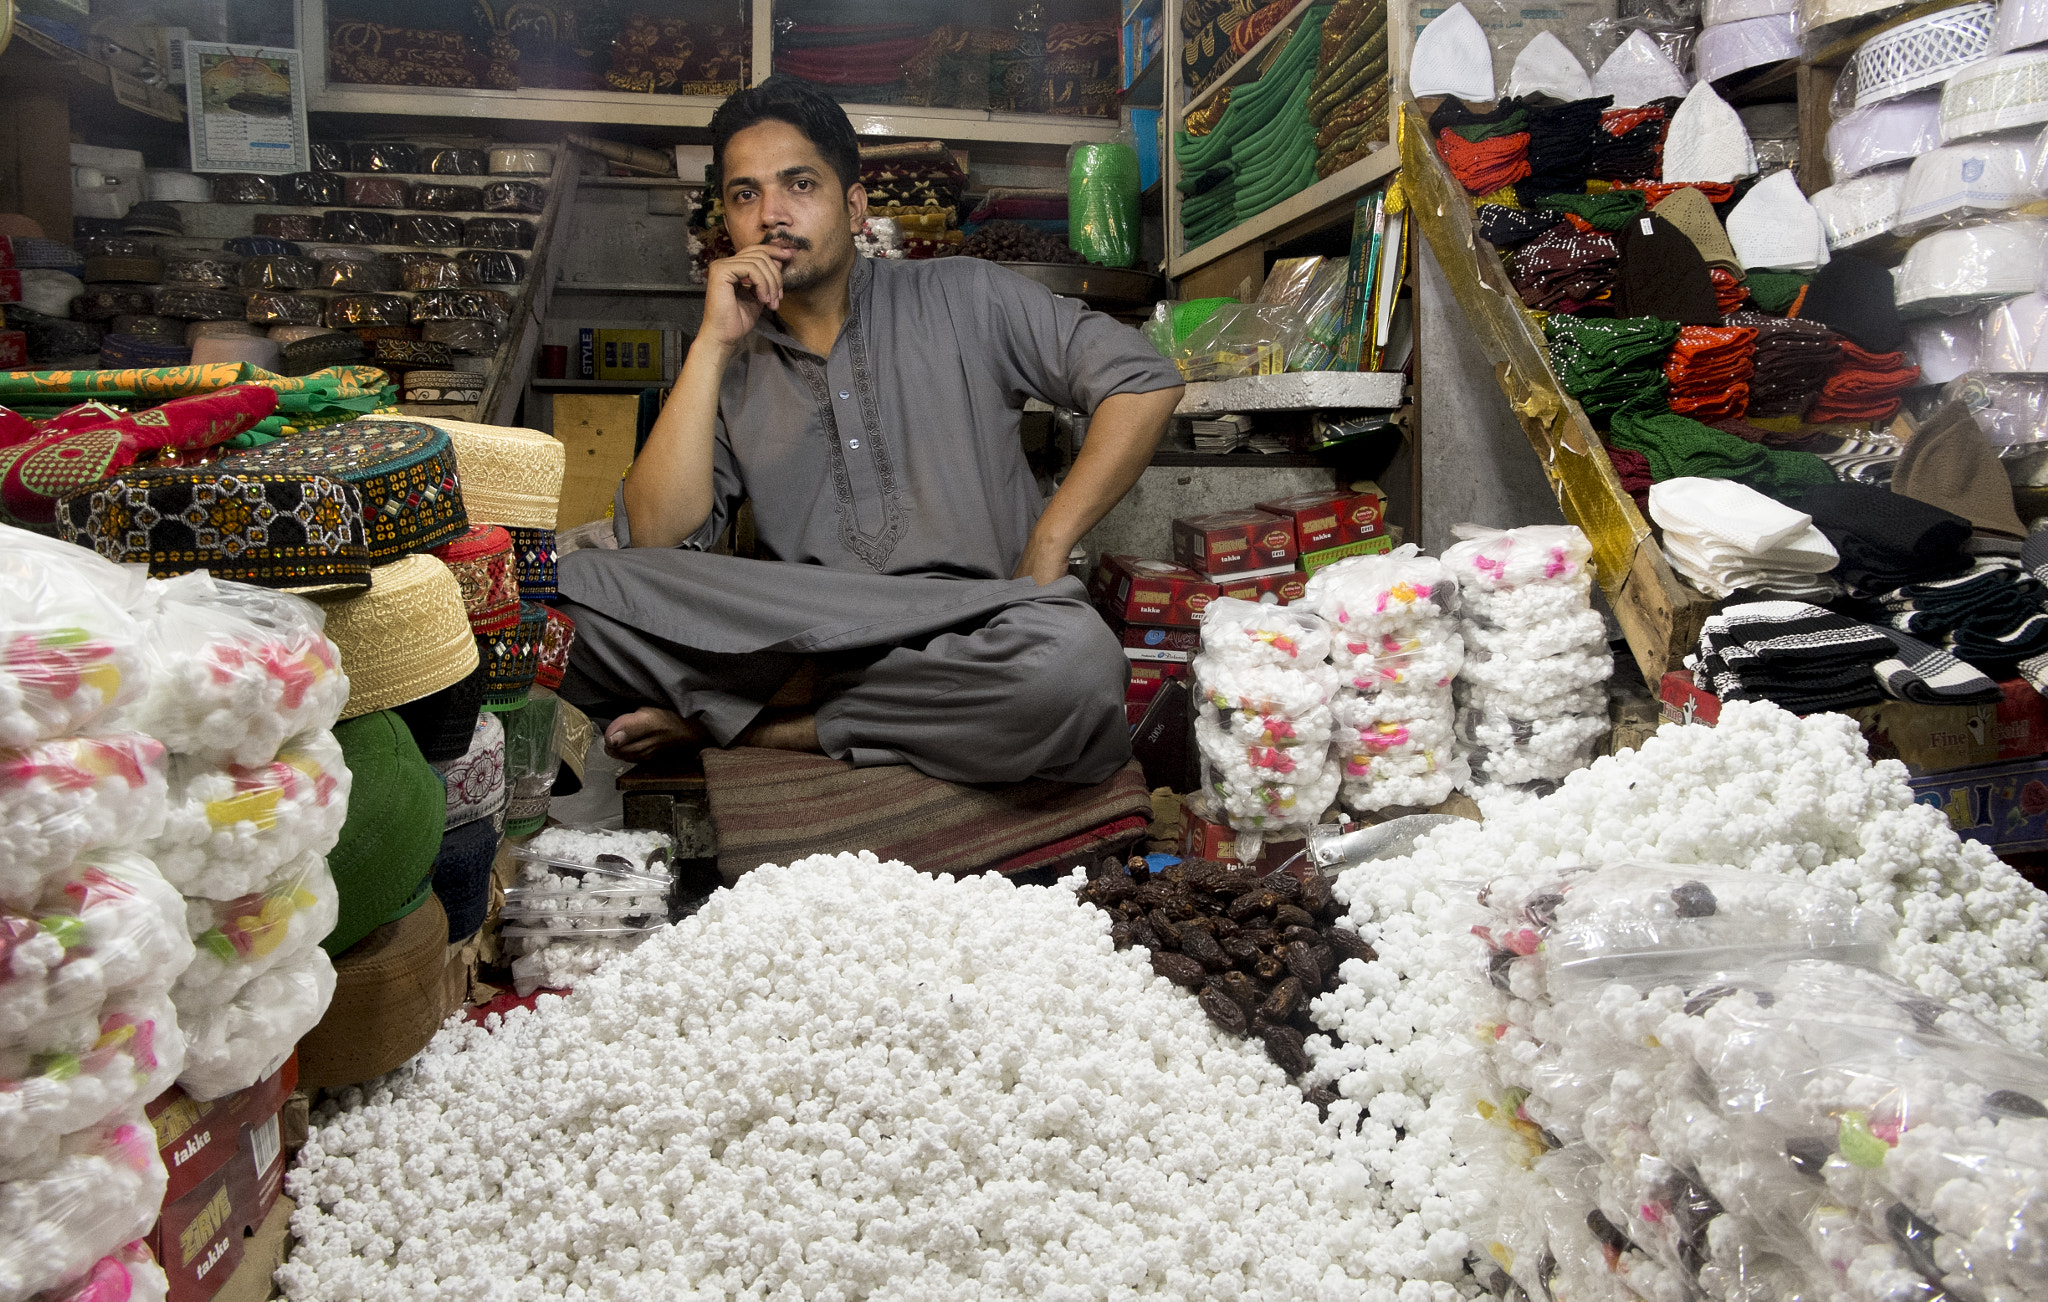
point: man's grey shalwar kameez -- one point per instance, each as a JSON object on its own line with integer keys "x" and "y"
{"x": 891, "y": 493}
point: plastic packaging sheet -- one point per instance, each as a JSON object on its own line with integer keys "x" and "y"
{"x": 2011, "y": 335}
{"x": 330, "y": 156}
{"x": 73, "y": 1072}
{"x": 2012, "y": 410}
{"x": 1896, "y": 131}
{"x": 115, "y": 922}
{"x": 290, "y": 225}
{"x": 359, "y": 276}
{"x": 2020, "y": 23}
{"x": 1237, "y": 339}
{"x": 457, "y": 305}
{"x": 490, "y": 267}
{"x": 531, "y": 762}
{"x": 440, "y": 161}
{"x": 278, "y": 273}
{"x": 205, "y": 270}
{"x": 374, "y": 192}
{"x": 1860, "y": 209}
{"x": 193, "y": 304}
{"x": 472, "y": 338}
{"x": 236, "y": 670}
{"x": 497, "y": 233}
{"x": 312, "y": 190}
{"x": 239, "y": 188}
{"x": 235, "y": 941}
{"x": 343, "y": 226}
{"x": 1729, "y": 48}
{"x": 382, "y": 156}
{"x": 1914, "y": 56}
{"x": 1951, "y": 271}
{"x": 270, "y": 307}
{"x": 61, "y": 796}
{"x": 514, "y": 196}
{"x": 101, "y": 1190}
{"x": 1102, "y": 203}
{"x": 434, "y": 197}
{"x": 70, "y": 644}
{"x": 1943, "y": 348}
{"x": 368, "y": 309}
{"x": 1960, "y": 183}
{"x": 430, "y": 271}
{"x": 1715, "y": 13}
{"x": 230, "y": 828}
{"x": 130, "y": 1274}
{"x": 522, "y": 160}
{"x": 428, "y": 230}
{"x": 2005, "y": 93}
{"x": 236, "y": 1044}
{"x": 587, "y": 895}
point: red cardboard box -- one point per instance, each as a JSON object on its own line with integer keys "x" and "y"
{"x": 1231, "y": 542}
{"x": 1330, "y": 517}
{"x": 1148, "y": 637}
{"x": 1201, "y": 838}
{"x": 226, "y": 1166}
{"x": 1139, "y": 590}
{"x": 1286, "y": 587}
{"x": 1937, "y": 738}
{"x": 1148, "y": 678}
{"x": 13, "y": 350}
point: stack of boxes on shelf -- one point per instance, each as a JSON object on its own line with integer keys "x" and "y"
{"x": 1262, "y": 553}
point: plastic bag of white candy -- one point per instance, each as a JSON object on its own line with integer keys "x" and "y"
{"x": 585, "y": 886}
{"x": 1579, "y": 630}
{"x": 1513, "y": 751}
{"x": 117, "y": 923}
{"x": 238, "y": 940}
{"x": 1512, "y": 673}
{"x": 230, "y": 828}
{"x": 1496, "y": 560}
{"x": 1517, "y": 609}
{"x": 68, "y": 1077}
{"x": 1638, "y": 922}
{"x": 129, "y": 1274}
{"x": 61, "y": 797}
{"x": 70, "y": 645}
{"x": 231, "y": 1046}
{"x": 1244, "y": 633}
{"x": 557, "y": 965}
{"x": 1422, "y": 663}
{"x": 1498, "y": 703}
{"x": 1371, "y": 593}
{"x": 1259, "y": 789}
{"x": 1406, "y": 779}
{"x": 570, "y": 852}
{"x": 235, "y": 670}
{"x": 103, "y": 1190}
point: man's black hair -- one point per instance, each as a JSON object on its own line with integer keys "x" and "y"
{"x": 802, "y": 104}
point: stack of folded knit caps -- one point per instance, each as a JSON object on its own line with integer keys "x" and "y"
{"x": 1950, "y": 463}
{"x": 1679, "y": 446}
{"x": 1777, "y": 291}
{"x": 1630, "y": 143}
{"x": 1510, "y": 228}
{"x": 1852, "y": 296}
{"x": 1863, "y": 386}
{"x": 1723, "y": 536}
{"x": 1709, "y": 371}
{"x": 1798, "y": 655}
{"x": 1990, "y": 615}
{"x": 1566, "y": 269}
{"x": 1486, "y": 151}
{"x": 1561, "y": 141}
{"x": 1632, "y": 469}
{"x": 1729, "y": 291}
{"x": 1864, "y": 458}
{"x": 1792, "y": 361}
{"x": 1887, "y": 541}
{"x": 1609, "y": 364}
{"x": 1611, "y": 211}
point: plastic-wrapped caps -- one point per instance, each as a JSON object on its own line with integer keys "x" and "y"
{"x": 162, "y": 329}
{"x": 200, "y": 304}
{"x": 1950, "y": 271}
{"x": 1957, "y": 183}
{"x": 1943, "y": 348}
{"x": 330, "y": 157}
{"x": 368, "y": 309}
{"x": 515, "y": 196}
{"x": 116, "y": 246}
{"x": 278, "y": 273}
{"x": 490, "y": 267}
{"x": 61, "y": 796}
{"x": 263, "y": 246}
{"x": 458, "y": 305}
{"x": 370, "y": 334}
{"x": 98, "y": 1190}
{"x": 443, "y": 161}
{"x": 319, "y": 351}
{"x": 198, "y": 330}
{"x": 429, "y": 271}
{"x": 411, "y": 355}
{"x": 430, "y": 230}
{"x": 107, "y": 269}
{"x": 471, "y": 338}
{"x": 240, "y": 188}
{"x": 290, "y": 225}
{"x": 313, "y": 190}
{"x": 498, "y": 233}
{"x": 236, "y": 670}
{"x": 280, "y": 308}
{"x": 205, "y": 270}
{"x": 365, "y": 276}
{"x": 374, "y": 192}
{"x": 105, "y": 302}
{"x": 436, "y": 197}
{"x": 382, "y": 156}
{"x": 120, "y": 352}
{"x": 347, "y": 226}
{"x": 443, "y": 387}
{"x": 240, "y": 939}
{"x": 522, "y": 160}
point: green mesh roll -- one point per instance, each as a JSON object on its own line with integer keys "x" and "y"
{"x": 1102, "y": 203}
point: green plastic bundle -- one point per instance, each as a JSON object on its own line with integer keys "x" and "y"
{"x": 1102, "y": 203}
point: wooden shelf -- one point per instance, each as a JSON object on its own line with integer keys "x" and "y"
{"x": 595, "y": 386}
{"x": 1247, "y": 460}
{"x": 624, "y": 287}
{"x": 1149, "y": 90}
{"x": 1326, "y": 201}
{"x": 1239, "y": 71}
{"x": 637, "y": 183}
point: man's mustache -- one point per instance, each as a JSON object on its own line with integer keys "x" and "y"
{"x": 788, "y": 241}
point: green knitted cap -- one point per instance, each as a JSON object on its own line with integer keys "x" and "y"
{"x": 396, "y": 809}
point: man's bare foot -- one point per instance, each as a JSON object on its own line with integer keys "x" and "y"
{"x": 783, "y": 730}
{"x": 649, "y": 730}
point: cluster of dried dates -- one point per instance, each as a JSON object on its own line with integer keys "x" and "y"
{"x": 1258, "y": 949}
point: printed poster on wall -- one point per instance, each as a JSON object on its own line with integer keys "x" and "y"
{"x": 247, "y": 109}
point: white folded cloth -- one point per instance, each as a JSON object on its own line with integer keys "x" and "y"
{"x": 1722, "y": 535}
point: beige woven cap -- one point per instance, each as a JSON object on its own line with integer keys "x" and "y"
{"x": 1691, "y": 212}
{"x": 510, "y": 476}
{"x": 405, "y": 638}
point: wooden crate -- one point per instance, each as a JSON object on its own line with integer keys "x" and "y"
{"x": 1660, "y": 613}
{"x": 597, "y": 430}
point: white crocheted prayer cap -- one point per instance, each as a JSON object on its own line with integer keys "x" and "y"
{"x": 1717, "y": 13}
{"x": 1954, "y": 182}
{"x": 2013, "y": 336}
{"x": 1706, "y": 140}
{"x": 1860, "y": 208}
{"x": 1638, "y": 72}
{"x": 1729, "y": 48}
{"x": 1546, "y": 67}
{"x": 1943, "y": 348}
{"x": 2020, "y": 23}
{"x": 1895, "y": 131}
{"x": 1775, "y": 228}
{"x": 1452, "y": 57}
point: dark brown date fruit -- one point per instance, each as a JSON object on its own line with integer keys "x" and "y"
{"x": 1316, "y": 897}
{"x": 1263, "y": 937}
{"x": 1155, "y": 894}
{"x": 1326, "y": 962}
{"x": 1120, "y": 933}
{"x": 1179, "y": 969}
{"x": 1241, "y": 951}
{"x": 1284, "y": 1045}
{"x": 1269, "y": 968}
{"x": 1307, "y": 935}
{"x": 1242, "y": 988}
{"x": 1346, "y": 943}
{"x": 1322, "y": 1096}
{"x": 1245, "y": 905}
{"x": 1143, "y": 936}
{"x": 1223, "y": 1010}
{"x": 1290, "y": 915}
{"x": 1165, "y": 928}
{"x": 1286, "y": 997}
{"x": 1285, "y": 885}
{"x": 1301, "y": 962}
{"x": 1112, "y": 889}
{"x": 1200, "y": 946}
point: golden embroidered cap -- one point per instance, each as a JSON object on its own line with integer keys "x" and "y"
{"x": 407, "y": 637}
{"x": 510, "y": 476}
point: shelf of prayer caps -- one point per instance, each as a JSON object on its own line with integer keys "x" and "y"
{"x": 1659, "y": 613}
